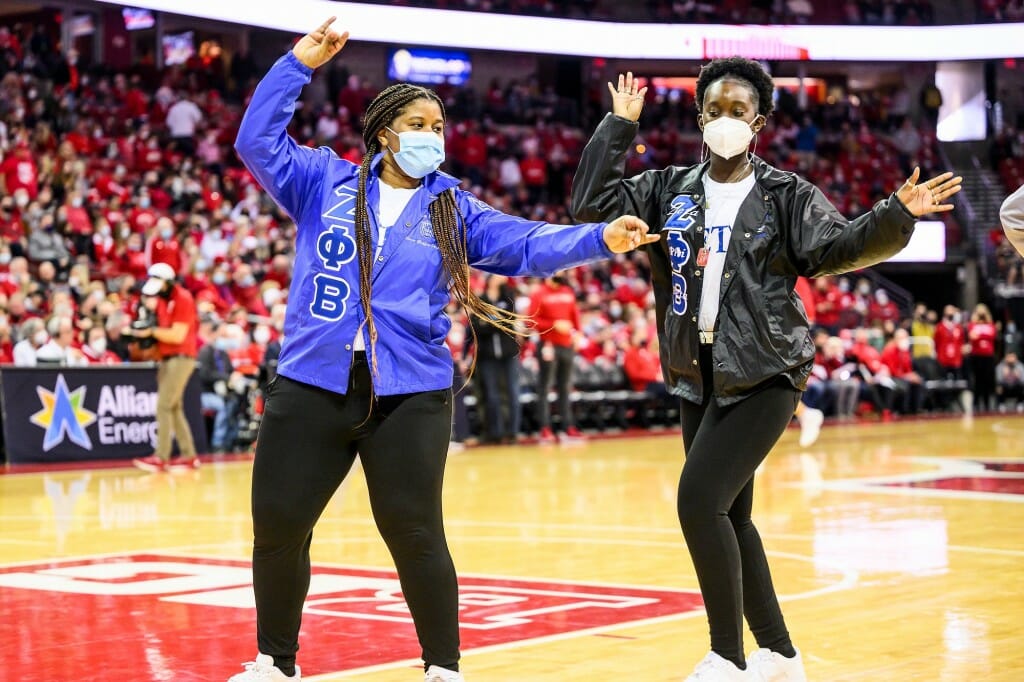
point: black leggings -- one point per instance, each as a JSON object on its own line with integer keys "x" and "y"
{"x": 308, "y": 441}
{"x": 724, "y": 446}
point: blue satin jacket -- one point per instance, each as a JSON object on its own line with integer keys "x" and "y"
{"x": 409, "y": 284}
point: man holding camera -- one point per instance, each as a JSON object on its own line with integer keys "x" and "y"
{"x": 175, "y": 333}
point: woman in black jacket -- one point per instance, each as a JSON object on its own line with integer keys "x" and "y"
{"x": 734, "y": 338}
{"x": 497, "y": 364}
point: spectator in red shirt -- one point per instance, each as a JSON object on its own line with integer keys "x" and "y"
{"x": 882, "y": 309}
{"x": 95, "y": 350}
{"x": 909, "y": 384}
{"x": 981, "y": 334}
{"x": 534, "y": 170}
{"x": 949, "y": 343}
{"x": 557, "y": 319}
{"x": 176, "y": 331}
{"x": 132, "y": 259}
{"x": 642, "y": 364}
{"x": 142, "y": 217}
{"x": 246, "y": 291}
{"x": 163, "y": 247}
{"x": 877, "y": 385}
{"x": 19, "y": 171}
{"x": 826, "y": 296}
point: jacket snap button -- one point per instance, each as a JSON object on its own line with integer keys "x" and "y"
{"x": 696, "y": 273}
{"x": 348, "y": 346}
{"x": 700, "y": 229}
{"x": 693, "y": 319}
{"x": 408, "y": 224}
{"x": 721, "y": 365}
{"x": 747, "y": 235}
{"x": 726, "y": 275}
{"x": 380, "y": 259}
{"x": 694, "y": 362}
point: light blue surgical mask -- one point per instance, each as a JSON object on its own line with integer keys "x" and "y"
{"x": 419, "y": 153}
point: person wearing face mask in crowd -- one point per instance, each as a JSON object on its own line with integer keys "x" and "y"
{"x": 163, "y": 247}
{"x": 94, "y": 348}
{"x": 33, "y": 337}
{"x": 949, "y": 344}
{"x": 45, "y": 243}
{"x": 981, "y": 338}
{"x": 555, "y": 316}
{"x": 216, "y": 374}
{"x": 737, "y": 233}
{"x": 909, "y": 384}
{"x": 177, "y": 324}
{"x": 381, "y": 247}
{"x": 1010, "y": 382}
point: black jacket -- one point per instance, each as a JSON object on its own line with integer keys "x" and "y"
{"x": 492, "y": 342}
{"x": 785, "y": 228}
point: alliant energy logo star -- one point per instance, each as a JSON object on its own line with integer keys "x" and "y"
{"x": 63, "y": 415}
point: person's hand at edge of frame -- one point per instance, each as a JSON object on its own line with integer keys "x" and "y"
{"x": 319, "y": 46}
{"x": 928, "y": 197}
{"x": 626, "y": 233}
{"x": 628, "y": 97}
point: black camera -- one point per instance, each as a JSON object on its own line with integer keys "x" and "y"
{"x": 145, "y": 320}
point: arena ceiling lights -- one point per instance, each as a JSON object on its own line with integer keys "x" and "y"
{"x": 480, "y": 30}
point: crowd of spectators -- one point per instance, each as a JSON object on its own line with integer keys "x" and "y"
{"x": 103, "y": 174}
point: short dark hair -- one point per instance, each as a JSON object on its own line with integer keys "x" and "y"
{"x": 747, "y": 71}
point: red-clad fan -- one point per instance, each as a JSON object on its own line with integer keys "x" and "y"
{"x": 19, "y": 171}
{"x": 142, "y": 217}
{"x": 981, "y": 334}
{"x": 163, "y": 247}
{"x": 949, "y": 343}
{"x": 882, "y": 309}
{"x": 95, "y": 350}
{"x": 826, "y": 303}
{"x": 557, "y": 318}
{"x": 641, "y": 362}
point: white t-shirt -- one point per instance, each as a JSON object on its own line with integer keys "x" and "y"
{"x": 182, "y": 118}
{"x": 393, "y": 201}
{"x": 723, "y": 204}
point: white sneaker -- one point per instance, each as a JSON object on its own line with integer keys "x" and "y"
{"x": 766, "y": 665}
{"x": 263, "y": 670}
{"x": 810, "y": 426}
{"x": 714, "y": 668}
{"x": 436, "y": 674}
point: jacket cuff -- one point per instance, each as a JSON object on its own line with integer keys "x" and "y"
{"x": 907, "y": 215}
{"x": 290, "y": 58}
{"x": 602, "y": 246}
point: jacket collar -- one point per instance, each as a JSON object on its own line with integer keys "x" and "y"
{"x": 767, "y": 176}
{"x": 435, "y": 183}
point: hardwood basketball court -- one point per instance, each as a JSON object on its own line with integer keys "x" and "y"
{"x": 897, "y": 549}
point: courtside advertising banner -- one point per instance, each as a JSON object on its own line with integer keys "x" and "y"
{"x": 66, "y": 414}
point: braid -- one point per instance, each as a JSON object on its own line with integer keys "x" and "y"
{"x": 447, "y": 220}
{"x": 385, "y": 108}
{"x": 449, "y": 227}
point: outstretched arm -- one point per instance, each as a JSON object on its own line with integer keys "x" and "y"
{"x": 599, "y": 191}
{"x": 821, "y": 241}
{"x": 509, "y": 245}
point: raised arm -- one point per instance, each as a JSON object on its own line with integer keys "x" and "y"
{"x": 599, "y": 190}
{"x": 286, "y": 169}
{"x": 822, "y": 242}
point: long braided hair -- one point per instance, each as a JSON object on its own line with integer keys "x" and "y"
{"x": 445, "y": 217}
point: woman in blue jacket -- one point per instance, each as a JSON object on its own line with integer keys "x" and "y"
{"x": 371, "y": 374}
